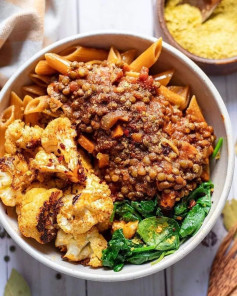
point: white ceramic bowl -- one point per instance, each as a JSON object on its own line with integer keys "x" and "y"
{"x": 186, "y": 72}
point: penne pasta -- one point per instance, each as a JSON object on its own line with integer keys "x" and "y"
{"x": 43, "y": 68}
{"x": 58, "y": 62}
{"x": 114, "y": 55}
{"x": 164, "y": 77}
{"x": 84, "y": 54}
{"x": 172, "y": 97}
{"x": 34, "y": 90}
{"x": 41, "y": 80}
{"x": 26, "y": 100}
{"x": 183, "y": 91}
{"x": 128, "y": 56}
{"x": 36, "y": 105}
{"x": 9, "y": 115}
{"x": 194, "y": 110}
{"x": 32, "y": 119}
{"x": 148, "y": 57}
{"x": 15, "y": 100}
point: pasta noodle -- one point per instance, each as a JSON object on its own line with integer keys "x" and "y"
{"x": 128, "y": 56}
{"x": 58, "y": 63}
{"x": 32, "y": 118}
{"x": 36, "y": 105}
{"x": 172, "y": 97}
{"x": 183, "y": 91}
{"x": 194, "y": 110}
{"x": 15, "y": 100}
{"x": 9, "y": 115}
{"x": 26, "y": 100}
{"x": 33, "y": 89}
{"x": 84, "y": 54}
{"x": 43, "y": 68}
{"x": 164, "y": 77}
{"x": 148, "y": 57}
{"x": 41, "y": 80}
{"x": 114, "y": 55}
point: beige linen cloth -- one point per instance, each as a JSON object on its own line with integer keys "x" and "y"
{"x": 25, "y": 27}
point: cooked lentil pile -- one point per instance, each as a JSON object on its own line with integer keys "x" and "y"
{"x": 150, "y": 146}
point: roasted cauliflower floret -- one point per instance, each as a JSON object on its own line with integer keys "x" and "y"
{"x": 15, "y": 176}
{"x": 50, "y": 163}
{"x": 86, "y": 247}
{"x": 37, "y": 214}
{"x": 59, "y": 138}
{"x": 21, "y": 136}
{"x": 91, "y": 205}
{"x": 59, "y": 152}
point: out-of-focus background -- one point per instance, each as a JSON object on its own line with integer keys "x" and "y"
{"x": 189, "y": 277}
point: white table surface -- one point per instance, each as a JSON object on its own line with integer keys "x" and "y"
{"x": 189, "y": 277}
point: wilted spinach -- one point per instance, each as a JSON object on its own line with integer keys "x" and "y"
{"x": 135, "y": 210}
{"x": 195, "y": 217}
{"x": 125, "y": 211}
{"x": 159, "y": 235}
{"x": 163, "y": 233}
{"x": 181, "y": 209}
{"x": 121, "y": 250}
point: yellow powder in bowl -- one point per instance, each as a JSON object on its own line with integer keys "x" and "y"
{"x": 214, "y": 39}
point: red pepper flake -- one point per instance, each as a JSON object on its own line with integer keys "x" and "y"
{"x": 192, "y": 203}
{"x": 126, "y": 132}
{"x": 60, "y": 159}
{"x": 62, "y": 146}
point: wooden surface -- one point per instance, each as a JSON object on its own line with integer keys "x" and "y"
{"x": 186, "y": 278}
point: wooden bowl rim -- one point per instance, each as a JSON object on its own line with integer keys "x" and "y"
{"x": 160, "y": 4}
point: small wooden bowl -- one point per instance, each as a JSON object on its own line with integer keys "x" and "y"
{"x": 210, "y": 66}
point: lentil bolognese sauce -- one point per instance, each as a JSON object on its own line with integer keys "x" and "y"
{"x": 115, "y": 160}
{"x": 147, "y": 145}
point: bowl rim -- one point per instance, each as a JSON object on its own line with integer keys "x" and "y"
{"x": 159, "y": 10}
{"x": 170, "y": 260}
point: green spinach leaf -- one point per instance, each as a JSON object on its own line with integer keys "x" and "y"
{"x": 135, "y": 210}
{"x": 126, "y": 212}
{"x": 121, "y": 250}
{"x": 195, "y": 217}
{"x": 145, "y": 208}
{"x": 140, "y": 258}
{"x": 181, "y": 209}
{"x": 163, "y": 233}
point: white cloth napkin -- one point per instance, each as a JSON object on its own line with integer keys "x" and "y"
{"x": 25, "y": 27}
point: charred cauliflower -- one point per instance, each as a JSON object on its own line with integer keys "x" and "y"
{"x": 21, "y": 136}
{"x": 91, "y": 205}
{"x": 59, "y": 154}
{"x": 85, "y": 248}
{"x": 15, "y": 176}
{"x": 37, "y": 214}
